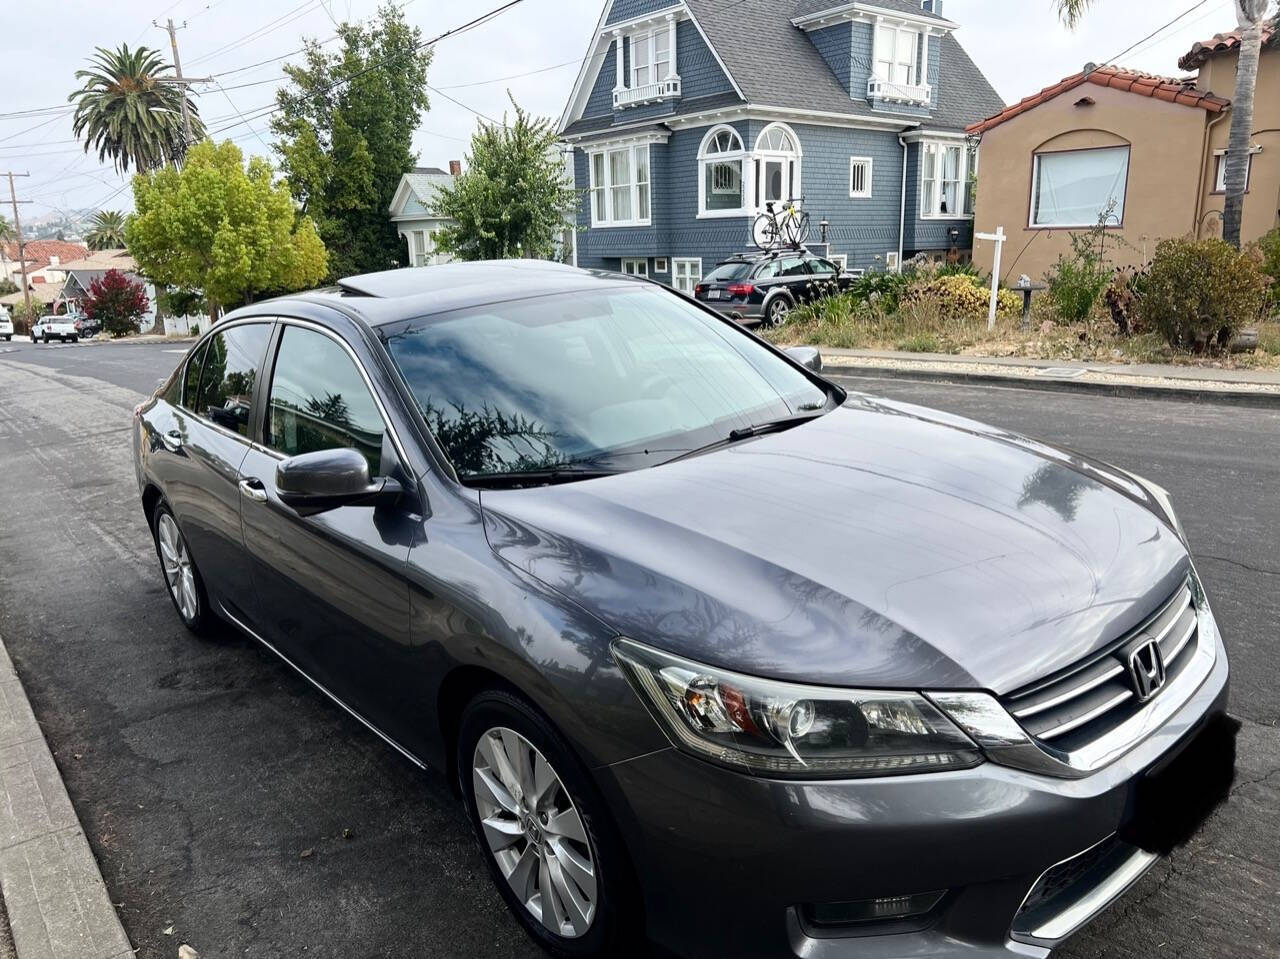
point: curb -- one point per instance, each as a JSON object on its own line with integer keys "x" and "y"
{"x": 1259, "y": 400}
{"x": 58, "y": 904}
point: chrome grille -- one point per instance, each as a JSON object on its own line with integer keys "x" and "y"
{"x": 1088, "y": 699}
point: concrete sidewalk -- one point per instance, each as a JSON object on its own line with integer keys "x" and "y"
{"x": 1143, "y": 380}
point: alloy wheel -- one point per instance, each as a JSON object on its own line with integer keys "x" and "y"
{"x": 179, "y": 573}
{"x": 534, "y": 832}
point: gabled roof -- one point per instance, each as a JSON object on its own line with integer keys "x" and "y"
{"x": 1201, "y": 51}
{"x": 1144, "y": 84}
{"x": 39, "y": 253}
{"x": 103, "y": 260}
{"x": 421, "y": 184}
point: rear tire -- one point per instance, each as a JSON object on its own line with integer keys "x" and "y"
{"x": 542, "y": 825}
{"x": 182, "y": 579}
{"x": 776, "y": 311}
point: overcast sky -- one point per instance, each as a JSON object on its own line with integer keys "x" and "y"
{"x": 1018, "y": 44}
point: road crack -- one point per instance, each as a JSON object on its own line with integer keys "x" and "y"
{"x": 1237, "y": 563}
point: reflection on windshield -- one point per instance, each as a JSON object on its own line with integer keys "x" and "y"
{"x": 620, "y": 378}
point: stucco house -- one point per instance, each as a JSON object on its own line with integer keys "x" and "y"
{"x": 413, "y": 212}
{"x": 687, "y": 116}
{"x": 1150, "y": 149}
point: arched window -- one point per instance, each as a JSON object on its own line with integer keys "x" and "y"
{"x": 777, "y": 160}
{"x": 720, "y": 161}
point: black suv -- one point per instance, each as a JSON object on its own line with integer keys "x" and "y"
{"x": 764, "y": 287}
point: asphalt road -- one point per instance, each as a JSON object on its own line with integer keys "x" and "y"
{"x": 232, "y": 807}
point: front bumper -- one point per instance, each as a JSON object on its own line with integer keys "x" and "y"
{"x": 727, "y": 861}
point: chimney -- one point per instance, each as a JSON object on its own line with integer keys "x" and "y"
{"x": 455, "y": 168}
{"x": 55, "y": 260}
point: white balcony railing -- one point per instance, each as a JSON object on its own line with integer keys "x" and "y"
{"x": 649, "y": 93}
{"x": 878, "y": 89}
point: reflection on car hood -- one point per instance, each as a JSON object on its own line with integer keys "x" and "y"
{"x": 882, "y": 545}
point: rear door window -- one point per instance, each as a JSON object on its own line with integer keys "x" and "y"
{"x": 792, "y": 266}
{"x": 230, "y": 372}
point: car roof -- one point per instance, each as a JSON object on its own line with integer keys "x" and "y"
{"x": 395, "y": 295}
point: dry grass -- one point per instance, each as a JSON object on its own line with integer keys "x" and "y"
{"x": 921, "y": 329}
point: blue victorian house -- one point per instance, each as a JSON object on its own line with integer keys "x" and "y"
{"x": 688, "y": 116}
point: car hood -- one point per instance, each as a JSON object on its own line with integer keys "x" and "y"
{"x": 883, "y": 545}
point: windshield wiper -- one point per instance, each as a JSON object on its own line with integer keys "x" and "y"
{"x": 747, "y": 432}
{"x": 546, "y": 476}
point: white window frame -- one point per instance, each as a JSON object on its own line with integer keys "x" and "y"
{"x": 1035, "y": 189}
{"x": 893, "y": 59}
{"x": 661, "y": 265}
{"x": 693, "y": 276}
{"x": 1220, "y": 170}
{"x": 706, "y": 158}
{"x": 638, "y": 188}
{"x": 635, "y": 266}
{"x": 841, "y": 260}
{"x": 867, "y": 187}
{"x": 968, "y": 157}
{"x": 647, "y": 40}
{"x": 763, "y": 155}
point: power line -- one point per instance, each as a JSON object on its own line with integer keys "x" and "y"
{"x": 269, "y": 27}
{"x": 1150, "y": 36}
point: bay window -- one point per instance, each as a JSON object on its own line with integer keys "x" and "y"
{"x": 1078, "y": 188}
{"x": 946, "y": 186}
{"x": 620, "y": 187}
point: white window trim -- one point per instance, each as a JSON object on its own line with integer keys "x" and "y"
{"x": 1035, "y": 189}
{"x": 740, "y": 155}
{"x": 841, "y": 260}
{"x": 609, "y": 221}
{"x": 639, "y": 266}
{"x": 963, "y": 147}
{"x": 916, "y": 90}
{"x": 761, "y": 155}
{"x": 626, "y": 91}
{"x": 661, "y": 264}
{"x": 677, "y": 261}
{"x": 866, "y": 192}
{"x": 1220, "y": 170}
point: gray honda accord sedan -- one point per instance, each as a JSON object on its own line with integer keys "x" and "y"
{"x": 718, "y": 655}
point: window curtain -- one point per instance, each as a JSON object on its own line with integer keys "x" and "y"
{"x": 1075, "y": 189}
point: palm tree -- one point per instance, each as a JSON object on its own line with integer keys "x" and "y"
{"x": 127, "y": 111}
{"x": 107, "y": 230}
{"x": 1251, "y": 14}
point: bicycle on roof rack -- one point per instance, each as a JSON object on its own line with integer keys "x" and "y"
{"x": 775, "y": 228}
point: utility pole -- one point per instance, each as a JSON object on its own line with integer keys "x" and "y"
{"x": 180, "y": 80}
{"x": 17, "y": 228}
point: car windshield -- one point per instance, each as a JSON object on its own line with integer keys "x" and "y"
{"x": 614, "y": 379}
{"x": 726, "y": 272}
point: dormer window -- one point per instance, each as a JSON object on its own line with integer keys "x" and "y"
{"x": 650, "y": 57}
{"x": 652, "y": 75}
{"x": 900, "y": 67}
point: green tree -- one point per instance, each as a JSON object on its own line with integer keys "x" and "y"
{"x": 515, "y": 199}
{"x": 106, "y": 231}
{"x": 344, "y": 130}
{"x": 1252, "y": 15}
{"x": 126, "y": 111}
{"x": 217, "y": 227}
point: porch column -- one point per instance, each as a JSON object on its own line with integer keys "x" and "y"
{"x": 617, "y": 47}
{"x": 671, "y": 45}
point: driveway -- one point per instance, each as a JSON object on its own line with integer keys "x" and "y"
{"x": 233, "y": 807}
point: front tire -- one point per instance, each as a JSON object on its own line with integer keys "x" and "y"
{"x": 182, "y": 578}
{"x": 544, "y": 831}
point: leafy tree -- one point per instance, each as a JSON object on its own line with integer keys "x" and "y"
{"x": 117, "y": 302}
{"x": 217, "y": 227}
{"x": 1252, "y": 14}
{"x": 515, "y": 198}
{"x": 344, "y": 131}
{"x": 106, "y": 231}
{"x": 7, "y": 286}
{"x": 126, "y": 112}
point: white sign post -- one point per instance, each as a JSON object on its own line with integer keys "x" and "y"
{"x": 998, "y": 239}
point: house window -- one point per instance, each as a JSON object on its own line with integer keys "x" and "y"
{"x": 946, "y": 191}
{"x": 633, "y": 267}
{"x": 841, "y": 260}
{"x": 650, "y": 57}
{"x": 1077, "y": 188}
{"x": 777, "y": 165}
{"x": 660, "y": 265}
{"x": 686, "y": 273}
{"x": 720, "y": 173}
{"x": 1220, "y": 177}
{"x": 895, "y": 55}
{"x": 620, "y": 187}
{"x": 419, "y": 248}
{"x": 860, "y": 177}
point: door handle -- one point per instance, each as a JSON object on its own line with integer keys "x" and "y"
{"x": 253, "y": 489}
{"x": 172, "y": 440}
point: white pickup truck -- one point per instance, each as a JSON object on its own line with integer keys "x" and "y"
{"x": 64, "y": 328}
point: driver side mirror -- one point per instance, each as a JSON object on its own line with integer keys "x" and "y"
{"x": 313, "y": 483}
{"x": 806, "y": 356}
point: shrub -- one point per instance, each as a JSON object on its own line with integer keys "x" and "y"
{"x": 1122, "y": 298}
{"x": 1269, "y": 250}
{"x": 24, "y": 319}
{"x": 7, "y": 286}
{"x": 1198, "y": 293}
{"x": 884, "y": 289}
{"x": 962, "y": 295}
{"x": 117, "y": 303}
{"x": 1076, "y": 281}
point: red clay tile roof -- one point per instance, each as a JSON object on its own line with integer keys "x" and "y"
{"x": 1158, "y": 88}
{"x": 1201, "y": 51}
{"x": 39, "y": 252}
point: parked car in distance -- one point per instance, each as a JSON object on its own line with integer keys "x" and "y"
{"x": 714, "y": 652}
{"x": 6, "y": 324}
{"x": 760, "y": 287}
{"x": 61, "y": 328}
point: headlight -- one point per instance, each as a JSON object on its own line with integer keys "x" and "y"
{"x": 1163, "y": 500}
{"x": 785, "y": 730}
